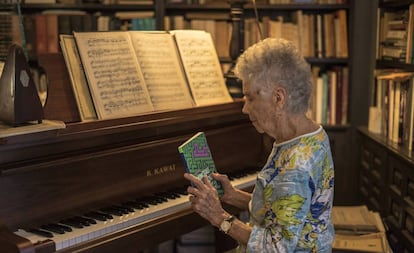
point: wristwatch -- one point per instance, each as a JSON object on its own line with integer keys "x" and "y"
{"x": 225, "y": 225}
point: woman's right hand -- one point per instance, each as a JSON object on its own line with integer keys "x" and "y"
{"x": 232, "y": 196}
{"x": 229, "y": 190}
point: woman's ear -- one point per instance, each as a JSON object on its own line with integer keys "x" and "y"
{"x": 279, "y": 97}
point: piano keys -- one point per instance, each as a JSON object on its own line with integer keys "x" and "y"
{"x": 75, "y": 230}
{"x": 53, "y": 182}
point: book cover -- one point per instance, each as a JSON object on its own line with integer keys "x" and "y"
{"x": 198, "y": 160}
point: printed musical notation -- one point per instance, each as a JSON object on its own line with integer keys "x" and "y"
{"x": 160, "y": 64}
{"x": 202, "y": 67}
{"x": 133, "y": 72}
{"x": 117, "y": 85}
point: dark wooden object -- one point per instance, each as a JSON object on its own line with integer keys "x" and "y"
{"x": 49, "y": 175}
{"x": 387, "y": 186}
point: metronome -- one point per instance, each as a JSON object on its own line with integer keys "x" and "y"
{"x": 19, "y": 99}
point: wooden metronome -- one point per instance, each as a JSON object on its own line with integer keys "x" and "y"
{"x": 19, "y": 99}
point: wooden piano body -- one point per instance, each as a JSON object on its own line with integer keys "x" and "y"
{"x": 46, "y": 176}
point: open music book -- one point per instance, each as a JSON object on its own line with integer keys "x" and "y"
{"x": 133, "y": 72}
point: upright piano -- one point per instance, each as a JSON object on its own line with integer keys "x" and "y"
{"x": 115, "y": 185}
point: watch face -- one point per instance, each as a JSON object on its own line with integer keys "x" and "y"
{"x": 225, "y": 226}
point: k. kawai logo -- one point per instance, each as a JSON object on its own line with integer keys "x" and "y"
{"x": 161, "y": 170}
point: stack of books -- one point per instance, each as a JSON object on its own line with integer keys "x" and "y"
{"x": 358, "y": 229}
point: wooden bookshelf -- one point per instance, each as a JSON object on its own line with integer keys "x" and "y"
{"x": 385, "y": 167}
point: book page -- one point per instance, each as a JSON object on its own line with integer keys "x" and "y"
{"x": 202, "y": 67}
{"x": 115, "y": 80}
{"x": 160, "y": 65}
{"x": 77, "y": 78}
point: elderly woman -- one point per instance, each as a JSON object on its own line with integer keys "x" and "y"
{"x": 290, "y": 207}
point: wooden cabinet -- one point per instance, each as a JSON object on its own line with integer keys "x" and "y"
{"x": 387, "y": 186}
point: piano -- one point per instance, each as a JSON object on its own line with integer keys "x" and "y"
{"x": 115, "y": 185}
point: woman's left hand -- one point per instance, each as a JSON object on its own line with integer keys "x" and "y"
{"x": 205, "y": 200}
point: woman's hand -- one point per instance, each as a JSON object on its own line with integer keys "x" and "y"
{"x": 232, "y": 196}
{"x": 228, "y": 189}
{"x": 205, "y": 200}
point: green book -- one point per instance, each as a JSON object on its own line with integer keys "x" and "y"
{"x": 198, "y": 160}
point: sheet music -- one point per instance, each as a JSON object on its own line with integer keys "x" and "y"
{"x": 202, "y": 67}
{"x": 77, "y": 77}
{"x": 116, "y": 82}
{"x": 160, "y": 65}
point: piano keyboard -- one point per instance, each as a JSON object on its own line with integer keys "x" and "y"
{"x": 75, "y": 230}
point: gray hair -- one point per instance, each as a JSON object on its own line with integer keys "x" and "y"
{"x": 273, "y": 62}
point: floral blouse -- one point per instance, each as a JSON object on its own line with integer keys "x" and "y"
{"x": 292, "y": 200}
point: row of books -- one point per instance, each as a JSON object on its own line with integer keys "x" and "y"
{"x": 391, "y": 113}
{"x": 88, "y": 1}
{"x": 307, "y": 1}
{"x": 42, "y": 30}
{"x": 396, "y": 35}
{"x": 266, "y": 1}
{"x": 311, "y": 32}
{"x": 329, "y": 104}
{"x": 316, "y": 35}
{"x": 358, "y": 229}
{"x": 9, "y": 33}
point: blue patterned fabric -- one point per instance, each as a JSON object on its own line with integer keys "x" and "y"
{"x": 293, "y": 197}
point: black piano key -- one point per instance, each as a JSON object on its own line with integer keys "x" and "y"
{"x": 176, "y": 195}
{"x": 122, "y": 209}
{"x": 89, "y": 220}
{"x": 72, "y": 223}
{"x": 148, "y": 200}
{"x": 84, "y": 221}
{"x": 126, "y": 209}
{"x": 65, "y": 228}
{"x": 112, "y": 211}
{"x": 41, "y": 232}
{"x": 161, "y": 199}
{"x": 80, "y": 221}
{"x": 142, "y": 203}
{"x": 168, "y": 195}
{"x": 58, "y": 229}
{"x": 181, "y": 191}
{"x": 155, "y": 200}
{"x": 99, "y": 216}
{"x": 134, "y": 204}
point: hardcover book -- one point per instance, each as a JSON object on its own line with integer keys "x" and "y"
{"x": 198, "y": 160}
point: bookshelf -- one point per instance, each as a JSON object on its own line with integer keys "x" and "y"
{"x": 386, "y": 164}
